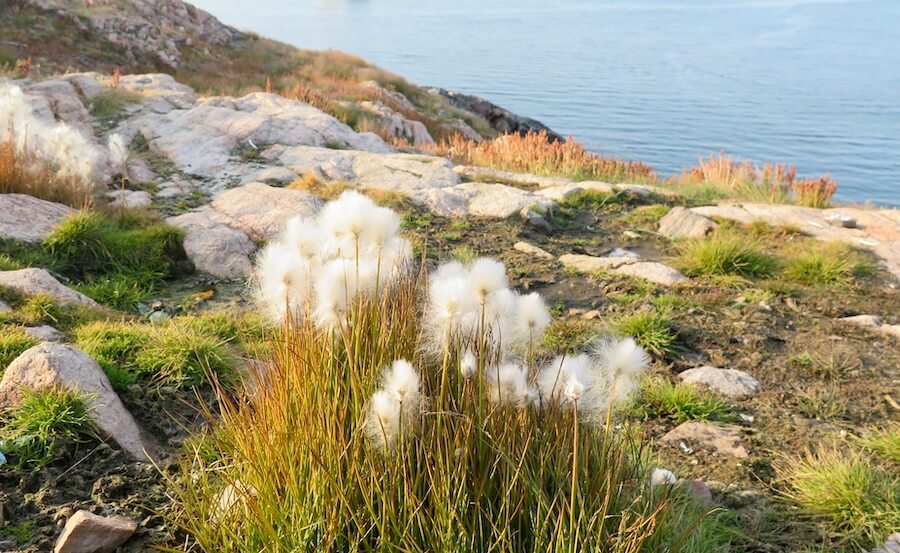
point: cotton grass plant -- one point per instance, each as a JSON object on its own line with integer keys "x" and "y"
{"x": 407, "y": 411}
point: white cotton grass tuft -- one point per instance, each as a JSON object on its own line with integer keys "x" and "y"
{"x": 118, "y": 152}
{"x": 662, "y": 477}
{"x": 621, "y": 356}
{"x": 508, "y": 384}
{"x": 570, "y": 379}
{"x": 468, "y": 365}
{"x": 351, "y": 249}
{"x": 474, "y": 304}
{"x": 396, "y": 407}
{"x": 283, "y": 282}
{"x": 58, "y": 144}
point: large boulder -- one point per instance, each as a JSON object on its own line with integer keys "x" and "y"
{"x": 40, "y": 281}
{"x": 480, "y": 199}
{"x": 398, "y": 126}
{"x": 29, "y": 219}
{"x": 681, "y": 222}
{"x": 261, "y": 211}
{"x": 50, "y": 364}
{"x": 214, "y": 247}
{"x": 86, "y": 532}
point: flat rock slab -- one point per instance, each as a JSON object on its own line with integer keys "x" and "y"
{"x": 728, "y": 382}
{"x": 652, "y": 271}
{"x": 29, "y": 219}
{"x": 532, "y": 250}
{"x": 261, "y": 211}
{"x": 214, "y": 247}
{"x": 480, "y": 199}
{"x": 623, "y": 262}
{"x": 44, "y": 333}
{"x": 40, "y": 281}
{"x": 721, "y": 440}
{"x": 86, "y": 532}
{"x": 50, "y": 364}
{"x": 872, "y": 322}
{"x": 590, "y": 263}
{"x": 681, "y": 222}
{"x": 877, "y": 230}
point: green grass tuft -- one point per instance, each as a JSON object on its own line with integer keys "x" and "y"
{"x": 112, "y": 102}
{"x": 44, "y": 424}
{"x": 653, "y": 331}
{"x": 833, "y": 264}
{"x": 883, "y": 442}
{"x": 181, "y": 358}
{"x": 724, "y": 254}
{"x": 660, "y": 399}
{"x": 13, "y": 342}
{"x": 114, "y": 346}
{"x": 853, "y": 499}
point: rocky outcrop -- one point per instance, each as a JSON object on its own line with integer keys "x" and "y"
{"x": 146, "y": 30}
{"x": 214, "y": 247}
{"x": 29, "y": 219}
{"x": 40, "y": 281}
{"x": 398, "y": 126}
{"x": 624, "y": 262}
{"x": 47, "y": 365}
{"x": 501, "y": 120}
{"x": 877, "y": 230}
{"x": 262, "y": 211}
{"x": 86, "y": 532}
{"x": 872, "y": 322}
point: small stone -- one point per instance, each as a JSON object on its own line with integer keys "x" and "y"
{"x": 681, "y": 222}
{"x": 841, "y": 220}
{"x": 129, "y": 199}
{"x": 728, "y": 382}
{"x": 652, "y": 271}
{"x": 620, "y": 252}
{"x": 4, "y": 308}
{"x": 86, "y": 532}
{"x": 891, "y": 545}
{"x": 631, "y": 234}
{"x": 589, "y": 263}
{"x": 591, "y": 315}
{"x": 158, "y": 317}
{"x": 721, "y": 440}
{"x": 739, "y": 499}
{"x": 45, "y": 333}
{"x": 535, "y": 219}
{"x": 531, "y": 249}
{"x": 700, "y": 491}
{"x": 747, "y": 417}
{"x": 576, "y": 311}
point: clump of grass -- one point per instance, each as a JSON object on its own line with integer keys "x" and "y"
{"x": 114, "y": 346}
{"x": 645, "y": 214}
{"x": 830, "y": 264}
{"x": 43, "y": 309}
{"x": 853, "y": 499}
{"x": 883, "y": 442}
{"x": 118, "y": 259}
{"x": 184, "y": 359}
{"x": 112, "y": 102}
{"x": 569, "y": 335}
{"x": 23, "y": 172}
{"x": 652, "y": 331}
{"x": 13, "y": 343}
{"x": 724, "y": 254}
{"x": 533, "y": 153}
{"x": 660, "y": 399}
{"x": 44, "y": 424}
{"x": 773, "y": 183}
{"x": 178, "y": 354}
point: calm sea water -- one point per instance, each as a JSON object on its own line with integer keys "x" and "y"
{"x": 815, "y": 83}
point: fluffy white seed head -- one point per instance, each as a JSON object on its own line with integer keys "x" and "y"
{"x": 486, "y": 276}
{"x": 621, "y": 356}
{"x": 382, "y": 226}
{"x": 468, "y": 365}
{"x": 402, "y": 380}
{"x": 531, "y": 319}
{"x": 283, "y": 281}
{"x": 661, "y": 477}
{"x": 509, "y": 384}
{"x": 118, "y": 151}
{"x": 383, "y": 421}
{"x": 304, "y": 236}
{"x": 347, "y": 216}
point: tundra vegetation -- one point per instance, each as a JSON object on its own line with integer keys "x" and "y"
{"x": 393, "y": 381}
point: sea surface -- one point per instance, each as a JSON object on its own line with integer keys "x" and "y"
{"x": 814, "y": 83}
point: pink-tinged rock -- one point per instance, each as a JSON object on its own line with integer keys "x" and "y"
{"x": 261, "y": 211}
{"x": 700, "y": 491}
{"x": 29, "y": 219}
{"x": 722, "y": 440}
{"x": 86, "y": 532}
{"x": 39, "y": 281}
{"x": 50, "y": 365}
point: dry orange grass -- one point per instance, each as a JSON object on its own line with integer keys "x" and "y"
{"x": 534, "y": 153}
{"x": 25, "y": 174}
{"x": 773, "y": 182}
